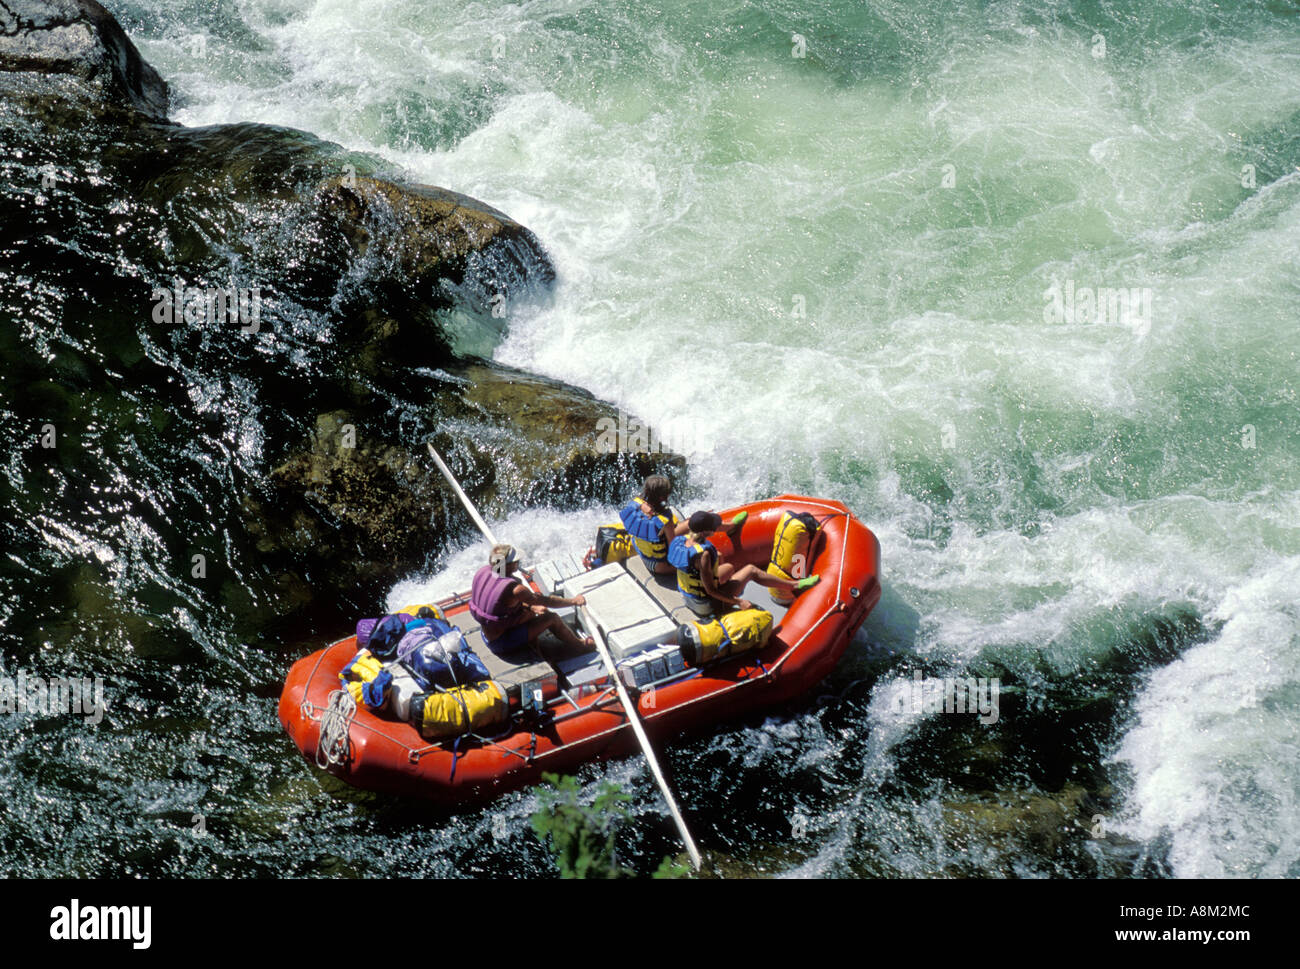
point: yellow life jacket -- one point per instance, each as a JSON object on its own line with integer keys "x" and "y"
{"x": 790, "y": 530}
{"x": 732, "y": 633}
{"x": 460, "y": 710}
{"x": 415, "y": 610}
{"x": 365, "y": 679}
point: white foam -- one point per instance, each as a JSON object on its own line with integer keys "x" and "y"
{"x": 1213, "y": 751}
{"x": 539, "y": 534}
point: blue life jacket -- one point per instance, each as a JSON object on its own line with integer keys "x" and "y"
{"x": 646, "y": 529}
{"x": 384, "y": 637}
{"x": 684, "y": 555}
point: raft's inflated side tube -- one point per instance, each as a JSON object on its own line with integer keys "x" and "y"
{"x": 460, "y": 710}
{"x": 735, "y": 632}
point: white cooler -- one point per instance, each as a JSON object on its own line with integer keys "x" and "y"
{"x": 631, "y": 618}
{"x": 550, "y": 575}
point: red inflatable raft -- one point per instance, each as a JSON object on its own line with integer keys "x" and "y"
{"x": 586, "y": 719}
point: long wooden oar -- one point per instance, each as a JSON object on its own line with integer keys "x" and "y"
{"x": 628, "y": 706}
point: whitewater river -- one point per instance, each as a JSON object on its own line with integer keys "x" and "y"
{"x": 1021, "y": 288}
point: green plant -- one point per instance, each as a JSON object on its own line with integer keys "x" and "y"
{"x": 581, "y": 837}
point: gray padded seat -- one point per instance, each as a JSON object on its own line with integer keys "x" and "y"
{"x": 517, "y": 666}
{"x": 664, "y": 589}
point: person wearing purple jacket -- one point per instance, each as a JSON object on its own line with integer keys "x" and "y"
{"x": 510, "y": 612}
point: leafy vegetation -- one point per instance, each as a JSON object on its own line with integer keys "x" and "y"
{"x": 583, "y": 837}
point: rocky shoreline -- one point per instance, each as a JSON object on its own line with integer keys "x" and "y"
{"x": 261, "y": 217}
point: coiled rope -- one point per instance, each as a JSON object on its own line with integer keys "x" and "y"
{"x": 335, "y": 724}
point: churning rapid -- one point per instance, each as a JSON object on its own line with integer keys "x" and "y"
{"x": 1019, "y": 287}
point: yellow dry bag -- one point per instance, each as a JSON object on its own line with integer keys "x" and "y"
{"x": 734, "y": 632}
{"x": 460, "y": 710}
{"x": 415, "y": 611}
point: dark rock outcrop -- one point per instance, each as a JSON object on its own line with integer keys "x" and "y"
{"x": 1020, "y": 819}
{"x": 356, "y": 240}
{"x": 438, "y": 241}
{"x": 55, "y": 41}
{"x": 355, "y": 511}
{"x": 123, "y": 222}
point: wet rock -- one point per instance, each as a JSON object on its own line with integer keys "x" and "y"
{"x": 539, "y": 441}
{"x": 1020, "y": 819}
{"x": 116, "y": 214}
{"x": 437, "y": 241}
{"x": 76, "y": 50}
{"x": 356, "y": 510}
{"x": 99, "y": 625}
{"x": 351, "y": 500}
{"x": 293, "y": 212}
{"x": 316, "y": 227}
